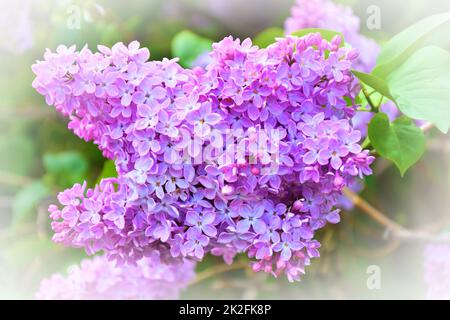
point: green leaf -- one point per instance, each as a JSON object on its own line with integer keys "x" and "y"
{"x": 375, "y": 83}
{"x": 404, "y": 44}
{"x": 108, "y": 171}
{"x": 326, "y": 34}
{"x": 66, "y": 168}
{"x": 267, "y": 37}
{"x": 188, "y": 46}
{"x": 26, "y": 201}
{"x": 421, "y": 86}
{"x": 401, "y": 141}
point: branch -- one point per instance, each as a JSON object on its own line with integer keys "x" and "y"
{"x": 367, "y": 96}
{"x": 391, "y": 226}
{"x": 208, "y": 273}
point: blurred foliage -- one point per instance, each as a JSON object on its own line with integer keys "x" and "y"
{"x": 41, "y": 157}
{"x": 26, "y": 202}
{"x": 108, "y": 171}
{"x": 267, "y": 37}
{"x": 65, "y": 168}
{"x": 188, "y": 46}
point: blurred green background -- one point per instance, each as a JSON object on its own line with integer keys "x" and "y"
{"x": 40, "y": 156}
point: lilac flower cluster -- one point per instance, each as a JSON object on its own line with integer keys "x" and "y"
{"x": 437, "y": 271}
{"x": 99, "y": 278}
{"x": 156, "y": 120}
{"x": 326, "y": 14}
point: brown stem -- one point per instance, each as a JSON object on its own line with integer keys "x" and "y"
{"x": 391, "y": 226}
{"x": 367, "y": 96}
{"x": 208, "y": 273}
{"x": 427, "y": 127}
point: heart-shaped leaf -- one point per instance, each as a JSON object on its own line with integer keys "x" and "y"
{"x": 404, "y": 44}
{"x": 400, "y": 141}
{"x": 421, "y": 86}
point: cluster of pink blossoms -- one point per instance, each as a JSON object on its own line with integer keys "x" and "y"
{"x": 194, "y": 174}
{"x": 326, "y": 14}
{"x": 437, "y": 271}
{"x": 16, "y": 26}
{"x": 99, "y": 278}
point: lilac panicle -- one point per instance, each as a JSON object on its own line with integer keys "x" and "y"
{"x": 99, "y": 279}
{"x": 150, "y": 116}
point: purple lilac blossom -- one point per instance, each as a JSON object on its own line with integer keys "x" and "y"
{"x": 202, "y": 60}
{"x": 98, "y": 279}
{"x": 326, "y": 14}
{"x": 437, "y": 271}
{"x": 298, "y": 88}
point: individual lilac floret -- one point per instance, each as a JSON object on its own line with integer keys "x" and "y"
{"x": 209, "y": 160}
{"x": 326, "y": 14}
{"x": 437, "y": 271}
{"x": 100, "y": 279}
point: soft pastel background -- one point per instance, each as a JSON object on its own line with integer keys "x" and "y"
{"x": 39, "y": 156}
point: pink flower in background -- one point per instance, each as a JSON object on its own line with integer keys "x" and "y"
{"x": 99, "y": 278}
{"x": 437, "y": 271}
{"x": 326, "y": 14}
{"x": 16, "y": 29}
